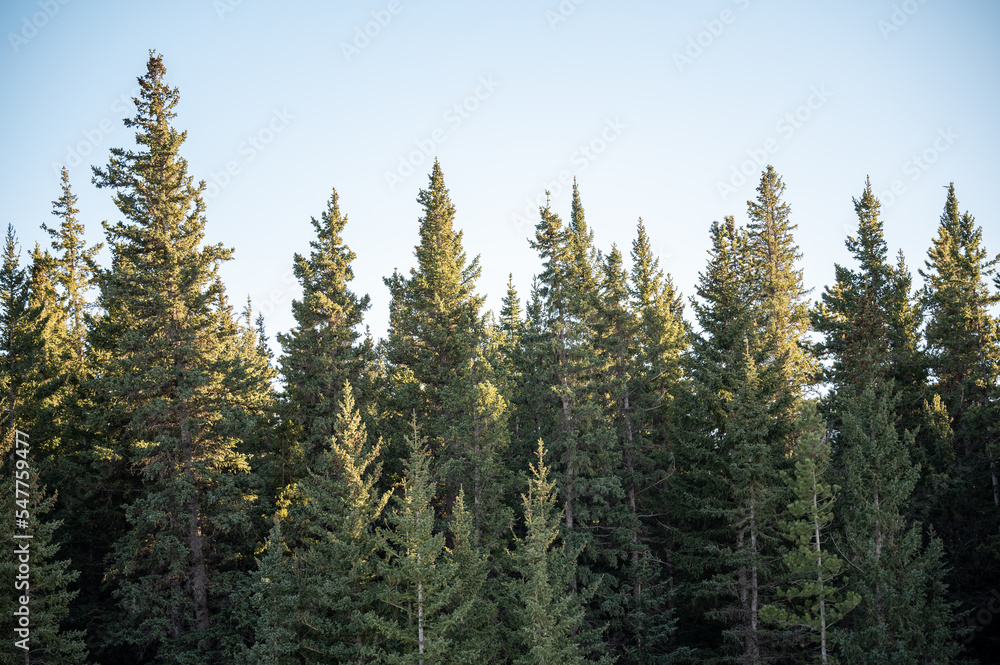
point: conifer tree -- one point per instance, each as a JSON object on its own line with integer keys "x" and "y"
{"x": 76, "y": 268}
{"x": 323, "y": 349}
{"x": 416, "y": 613}
{"x": 638, "y": 346}
{"x": 341, "y": 505}
{"x": 813, "y": 602}
{"x": 733, "y": 457}
{"x": 177, "y": 398}
{"x": 868, "y": 318}
{"x": 783, "y": 313}
{"x": 963, "y": 353}
{"x": 16, "y": 359}
{"x": 658, "y": 381}
{"x": 905, "y": 614}
{"x": 440, "y": 368}
{"x": 578, "y": 436}
{"x": 475, "y": 592}
{"x": 550, "y": 617}
{"x": 274, "y": 590}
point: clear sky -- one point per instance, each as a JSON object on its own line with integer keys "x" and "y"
{"x": 655, "y": 107}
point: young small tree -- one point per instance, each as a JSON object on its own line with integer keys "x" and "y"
{"x": 550, "y": 615}
{"x": 416, "y": 613}
{"x": 813, "y": 601}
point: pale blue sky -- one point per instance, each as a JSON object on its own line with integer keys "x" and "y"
{"x": 671, "y": 97}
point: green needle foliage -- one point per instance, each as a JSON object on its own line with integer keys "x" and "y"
{"x": 695, "y": 503}
{"x": 550, "y": 615}
{"x": 419, "y": 614}
{"x": 813, "y": 601}
{"x": 323, "y": 351}
{"x": 178, "y": 396}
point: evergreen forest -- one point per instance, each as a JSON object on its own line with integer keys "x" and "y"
{"x": 605, "y": 470}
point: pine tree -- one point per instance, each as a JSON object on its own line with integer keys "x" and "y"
{"x": 783, "y": 313}
{"x": 416, "y": 614}
{"x": 323, "y": 350}
{"x": 440, "y": 366}
{"x": 813, "y": 601}
{"x": 178, "y": 398}
{"x": 905, "y": 614}
{"x": 733, "y": 457}
{"x": 549, "y": 617}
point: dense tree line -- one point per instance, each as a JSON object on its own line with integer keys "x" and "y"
{"x": 593, "y": 474}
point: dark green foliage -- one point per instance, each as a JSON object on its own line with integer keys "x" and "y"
{"x": 812, "y": 602}
{"x": 696, "y": 506}
{"x": 323, "y": 350}
{"x": 178, "y": 395}
{"x": 905, "y": 614}
{"x": 442, "y": 367}
{"x": 421, "y": 612}
{"x": 550, "y": 615}
{"x": 962, "y": 488}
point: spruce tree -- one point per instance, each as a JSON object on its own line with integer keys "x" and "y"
{"x": 76, "y": 266}
{"x": 657, "y": 377}
{"x": 274, "y": 590}
{"x": 177, "y": 398}
{"x": 549, "y": 617}
{"x": 341, "y": 506}
{"x": 963, "y": 353}
{"x": 416, "y": 614}
{"x": 441, "y": 369}
{"x": 578, "y": 436}
{"x": 638, "y": 339}
{"x": 324, "y": 350}
{"x": 868, "y": 318}
{"x": 13, "y": 337}
{"x": 783, "y": 314}
{"x": 812, "y": 602}
{"x": 905, "y": 614}
{"x": 732, "y": 459}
